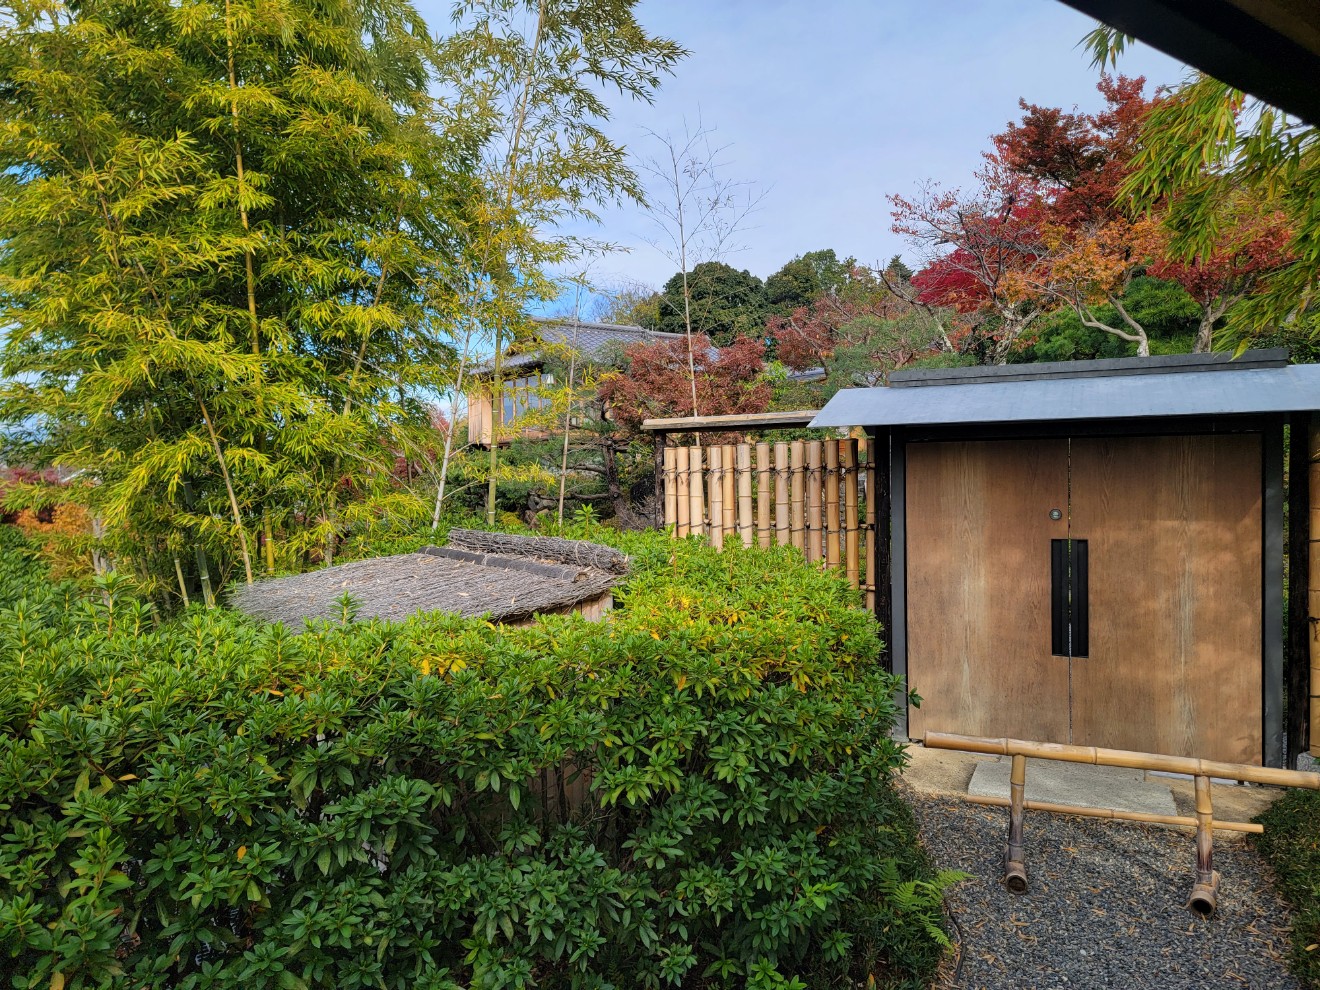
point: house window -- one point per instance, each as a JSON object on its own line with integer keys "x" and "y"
{"x": 523, "y": 394}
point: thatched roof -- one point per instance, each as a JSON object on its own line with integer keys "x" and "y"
{"x": 508, "y": 577}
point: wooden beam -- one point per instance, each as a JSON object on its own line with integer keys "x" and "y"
{"x": 742, "y": 421}
{"x": 1297, "y": 671}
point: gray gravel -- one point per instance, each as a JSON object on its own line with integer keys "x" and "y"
{"x": 1105, "y": 907}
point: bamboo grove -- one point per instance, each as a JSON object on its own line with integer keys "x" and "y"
{"x": 246, "y": 246}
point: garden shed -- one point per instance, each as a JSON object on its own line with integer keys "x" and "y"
{"x": 1093, "y": 552}
{"x": 510, "y": 578}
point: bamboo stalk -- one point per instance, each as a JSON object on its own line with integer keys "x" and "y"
{"x": 670, "y": 473}
{"x": 763, "y": 521}
{"x": 782, "y": 535}
{"x": 852, "y": 537}
{"x": 872, "y": 548}
{"x": 746, "y": 524}
{"x": 798, "y": 482}
{"x": 833, "y": 556}
{"x": 682, "y": 493}
{"x": 1015, "y": 856}
{"x": 1313, "y": 610}
{"x": 730, "y": 493}
{"x": 696, "y": 492}
{"x": 716, "y": 457}
{"x": 1188, "y": 765}
{"x": 1127, "y": 816}
{"x": 815, "y": 541}
{"x": 1205, "y": 892}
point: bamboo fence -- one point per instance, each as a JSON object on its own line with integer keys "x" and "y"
{"x": 817, "y": 495}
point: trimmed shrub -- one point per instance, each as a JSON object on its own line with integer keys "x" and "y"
{"x": 693, "y": 793}
{"x": 1291, "y": 843}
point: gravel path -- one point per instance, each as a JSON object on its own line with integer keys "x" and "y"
{"x": 1105, "y": 907}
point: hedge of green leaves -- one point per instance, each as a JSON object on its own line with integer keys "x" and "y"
{"x": 694, "y": 793}
{"x": 1291, "y": 843}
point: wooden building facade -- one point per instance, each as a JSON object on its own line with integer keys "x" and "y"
{"x": 1093, "y": 552}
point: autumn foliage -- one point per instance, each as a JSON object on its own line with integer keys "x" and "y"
{"x": 658, "y": 383}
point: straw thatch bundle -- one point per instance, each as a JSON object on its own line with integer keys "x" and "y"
{"x": 509, "y": 578}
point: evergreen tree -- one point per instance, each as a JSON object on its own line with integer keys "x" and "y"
{"x": 216, "y": 220}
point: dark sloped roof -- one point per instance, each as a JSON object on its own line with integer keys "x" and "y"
{"x": 507, "y": 577}
{"x": 592, "y": 340}
{"x": 1112, "y": 396}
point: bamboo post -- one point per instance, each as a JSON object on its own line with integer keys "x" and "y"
{"x": 682, "y": 495}
{"x": 763, "y": 492}
{"x": 873, "y": 547}
{"x": 782, "y": 534}
{"x": 852, "y": 537}
{"x": 729, "y": 493}
{"x": 746, "y": 523}
{"x": 1015, "y": 856}
{"x": 833, "y": 551}
{"x": 669, "y": 471}
{"x": 1313, "y": 611}
{"x": 1205, "y": 892}
{"x": 663, "y": 484}
{"x": 815, "y": 542}
{"x": 696, "y": 492}
{"x": 798, "y": 483}
{"x": 716, "y": 489}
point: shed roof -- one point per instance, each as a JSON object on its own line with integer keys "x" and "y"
{"x": 1176, "y": 392}
{"x": 590, "y": 339}
{"x": 508, "y": 577}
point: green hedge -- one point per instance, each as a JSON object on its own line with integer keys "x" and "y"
{"x": 694, "y": 793}
{"x": 1291, "y": 843}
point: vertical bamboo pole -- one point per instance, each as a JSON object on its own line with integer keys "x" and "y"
{"x": 682, "y": 489}
{"x": 716, "y": 489}
{"x": 833, "y": 556}
{"x": 669, "y": 482}
{"x": 873, "y": 547}
{"x": 1313, "y": 611}
{"x": 663, "y": 484}
{"x": 696, "y": 492}
{"x": 1015, "y": 856}
{"x": 763, "y": 522}
{"x": 1205, "y": 892}
{"x": 851, "y": 536}
{"x": 730, "y": 492}
{"x": 815, "y": 520}
{"x": 746, "y": 521}
{"x": 782, "y": 534}
{"x": 798, "y": 486}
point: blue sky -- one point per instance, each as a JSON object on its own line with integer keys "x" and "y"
{"x": 828, "y": 106}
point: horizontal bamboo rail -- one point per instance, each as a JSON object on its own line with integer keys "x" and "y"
{"x": 1189, "y": 765}
{"x": 1081, "y": 811}
{"x": 1204, "y": 897}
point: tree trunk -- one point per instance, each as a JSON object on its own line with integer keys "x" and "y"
{"x": 1204, "y": 331}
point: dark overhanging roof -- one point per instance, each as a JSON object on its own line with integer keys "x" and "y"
{"x": 1114, "y": 394}
{"x": 1269, "y": 48}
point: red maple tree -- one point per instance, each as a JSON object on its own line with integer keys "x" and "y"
{"x": 657, "y": 383}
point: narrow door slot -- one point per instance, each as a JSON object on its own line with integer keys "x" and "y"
{"x": 1059, "y": 597}
{"x": 1069, "y": 612}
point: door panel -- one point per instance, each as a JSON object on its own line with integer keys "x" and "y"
{"x": 1174, "y": 528}
{"x": 978, "y": 587}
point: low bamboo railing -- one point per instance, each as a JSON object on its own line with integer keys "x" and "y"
{"x": 1205, "y": 889}
{"x": 816, "y": 495}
